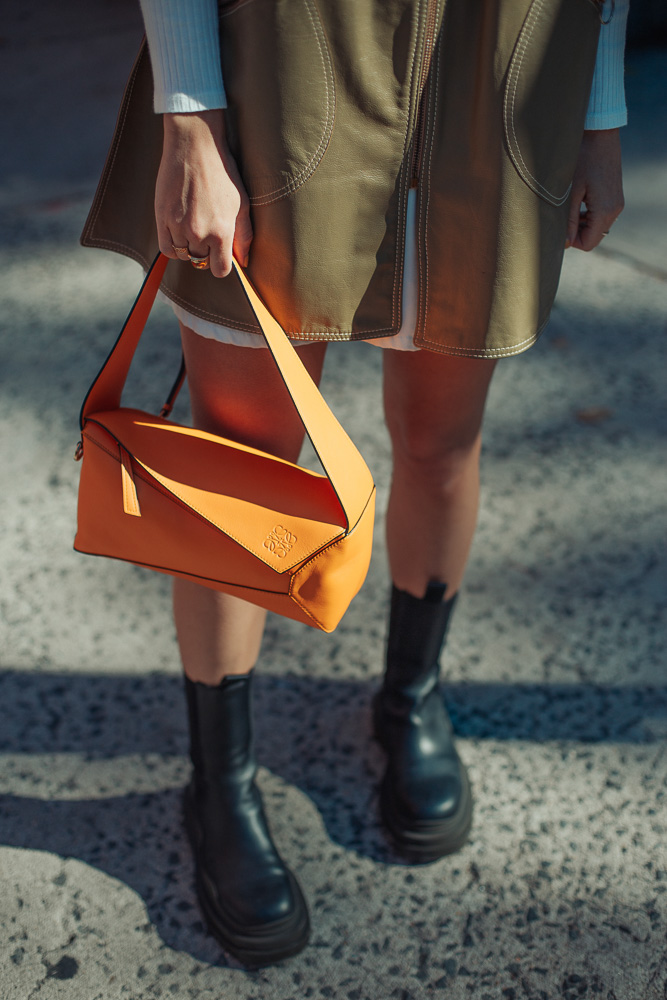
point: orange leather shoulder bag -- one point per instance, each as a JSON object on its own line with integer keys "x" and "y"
{"x": 230, "y": 517}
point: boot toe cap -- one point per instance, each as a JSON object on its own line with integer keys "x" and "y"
{"x": 250, "y": 900}
{"x": 269, "y": 902}
{"x": 427, "y": 798}
{"x": 428, "y": 826}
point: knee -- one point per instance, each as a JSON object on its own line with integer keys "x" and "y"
{"x": 438, "y": 462}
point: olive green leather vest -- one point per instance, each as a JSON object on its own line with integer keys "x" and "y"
{"x": 336, "y": 108}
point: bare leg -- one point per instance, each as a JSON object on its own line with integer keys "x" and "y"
{"x": 434, "y": 405}
{"x": 236, "y": 392}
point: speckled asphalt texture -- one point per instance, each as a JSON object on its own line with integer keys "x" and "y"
{"x": 555, "y": 666}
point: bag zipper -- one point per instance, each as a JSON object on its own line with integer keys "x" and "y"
{"x": 420, "y": 124}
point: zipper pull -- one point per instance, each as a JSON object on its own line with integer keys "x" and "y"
{"x": 130, "y": 498}
{"x": 78, "y": 454}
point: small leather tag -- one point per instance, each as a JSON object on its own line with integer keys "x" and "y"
{"x": 130, "y": 498}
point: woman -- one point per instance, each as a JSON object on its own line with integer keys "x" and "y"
{"x": 457, "y": 146}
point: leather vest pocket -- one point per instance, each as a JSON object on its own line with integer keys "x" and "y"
{"x": 280, "y": 89}
{"x": 546, "y": 93}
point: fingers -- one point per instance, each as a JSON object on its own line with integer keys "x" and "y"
{"x": 593, "y": 224}
{"x": 180, "y": 242}
{"x": 223, "y": 243}
{"x": 596, "y": 200}
{"x": 243, "y": 233}
{"x": 574, "y": 215}
{"x": 165, "y": 241}
{"x": 591, "y": 230}
{"x": 218, "y": 247}
{"x": 182, "y": 246}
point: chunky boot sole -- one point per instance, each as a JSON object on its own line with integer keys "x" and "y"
{"x": 429, "y": 840}
{"x": 254, "y": 947}
{"x": 426, "y": 840}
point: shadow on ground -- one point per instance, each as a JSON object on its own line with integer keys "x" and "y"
{"x": 313, "y": 734}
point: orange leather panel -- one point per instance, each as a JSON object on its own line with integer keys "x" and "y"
{"x": 217, "y": 512}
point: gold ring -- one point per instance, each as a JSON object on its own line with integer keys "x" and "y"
{"x": 180, "y": 249}
{"x": 201, "y": 263}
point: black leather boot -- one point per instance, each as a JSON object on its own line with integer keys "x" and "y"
{"x": 425, "y": 798}
{"x": 251, "y": 901}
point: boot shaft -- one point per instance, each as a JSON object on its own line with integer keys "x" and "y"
{"x": 417, "y": 632}
{"x": 221, "y": 732}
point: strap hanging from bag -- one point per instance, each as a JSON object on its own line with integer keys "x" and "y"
{"x": 343, "y": 464}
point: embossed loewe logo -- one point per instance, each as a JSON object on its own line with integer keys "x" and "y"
{"x": 279, "y": 541}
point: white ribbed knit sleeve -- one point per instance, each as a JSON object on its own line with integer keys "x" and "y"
{"x": 184, "y": 47}
{"x": 606, "y": 108}
{"x": 185, "y": 55}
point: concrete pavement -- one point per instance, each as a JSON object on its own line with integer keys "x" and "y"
{"x": 556, "y": 663}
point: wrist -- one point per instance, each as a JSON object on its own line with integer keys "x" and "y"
{"x": 604, "y": 134}
{"x": 193, "y": 122}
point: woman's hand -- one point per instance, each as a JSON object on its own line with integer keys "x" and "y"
{"x": 200, "y": 200}
{"x": 598, "y": 183}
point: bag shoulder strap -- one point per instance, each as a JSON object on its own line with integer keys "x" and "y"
{"x": 106, "y": 391}
{"x": 345, "y": 467}
{"x": 342, "y": 462}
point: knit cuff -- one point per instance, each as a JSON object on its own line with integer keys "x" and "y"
{"x": 184, "y": 46}
{"x": 606, "y": 107}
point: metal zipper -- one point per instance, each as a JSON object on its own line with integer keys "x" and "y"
{"x": 420, "y": 124}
